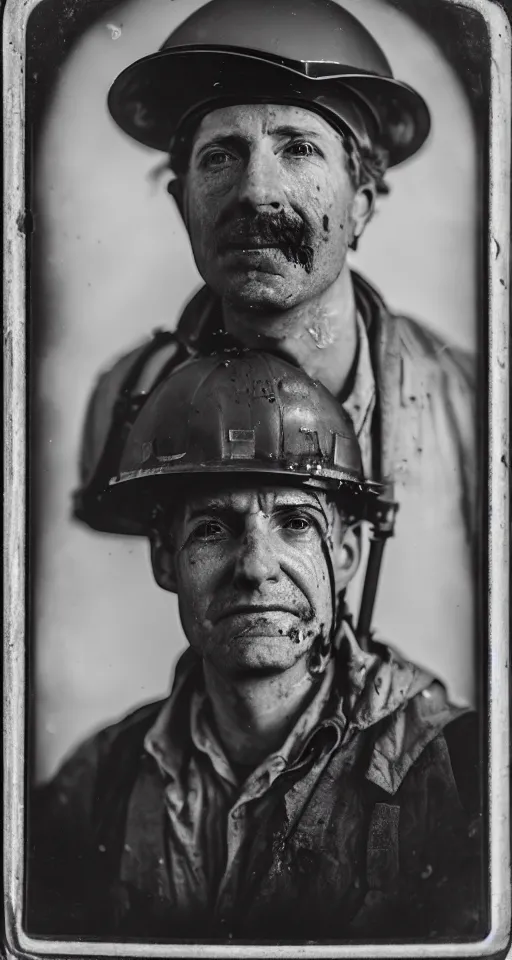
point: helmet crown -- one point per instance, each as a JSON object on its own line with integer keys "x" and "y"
{"x": 250, "y": 413}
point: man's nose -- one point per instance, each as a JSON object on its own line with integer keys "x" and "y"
{"x": 261, "y": 186}
{"x": 256, "y": 561}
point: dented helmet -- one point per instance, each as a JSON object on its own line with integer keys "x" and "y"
{"x": 245, "y": 414}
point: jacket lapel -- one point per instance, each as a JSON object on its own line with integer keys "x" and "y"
{"x": 385, "y": 352}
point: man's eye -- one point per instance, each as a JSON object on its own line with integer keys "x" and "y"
{"x": 298, "y": 524}
{"x": 209, "y": 530}
{"x": 302, "y": 148}
{"x": 216, "y": 159}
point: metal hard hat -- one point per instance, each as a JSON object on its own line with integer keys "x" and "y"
{"x": 250, "y": 413}
{"x": 311, "y": 53}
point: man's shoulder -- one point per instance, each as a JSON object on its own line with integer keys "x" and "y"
{"x": 81, "y": 769}
{"x": 441, "y": 744}
{"x": 420, "y": 343}
{"x": 133, "y": 726}
{"x": 73, "y": 815}
{"x": 415, "y": 341}
{"x": 408, "y": 710}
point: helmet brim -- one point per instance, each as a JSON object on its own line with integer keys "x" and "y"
{"x": 134, "y": 496}
{"x": 150, "y": 98}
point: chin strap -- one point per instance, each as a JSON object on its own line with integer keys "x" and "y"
{"x": 383, "y": 526}
{"x": 382, "y": 518}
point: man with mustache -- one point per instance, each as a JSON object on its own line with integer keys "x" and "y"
{"x": 280, "y": 121}
{"x": 292, "y": 786}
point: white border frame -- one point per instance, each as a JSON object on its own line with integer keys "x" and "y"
{"x": 18, "y": 944}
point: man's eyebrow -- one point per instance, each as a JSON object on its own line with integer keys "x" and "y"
{"x": 297, "y": 505}
{"x": 221, "y": 508}
{"x": 235, "y": 139}
{"x": 289, "y": 130}
{"x": 213, "y": 507}
{"x": 226, "y": 140}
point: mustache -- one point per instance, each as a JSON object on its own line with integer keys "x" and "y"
{"x": 281, "y": 230}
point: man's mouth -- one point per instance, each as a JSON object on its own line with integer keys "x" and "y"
{"x": 249, "y": 245}
{"x": 256, "y": 610}
{"x": 262, "y": 233}
{"x": 265, "y": 258}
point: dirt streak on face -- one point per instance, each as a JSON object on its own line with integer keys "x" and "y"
{"x": 264, "y": 185}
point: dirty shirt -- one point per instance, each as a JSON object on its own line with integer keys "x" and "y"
{"x": 212, "y": 809}
{"x": 365, "y": 824}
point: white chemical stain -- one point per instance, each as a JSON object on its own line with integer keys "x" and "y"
{"x": 322, "y": 335}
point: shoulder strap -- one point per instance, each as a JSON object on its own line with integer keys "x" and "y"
{"x": 115, "y": 781}
{"x": 114, "y": 405}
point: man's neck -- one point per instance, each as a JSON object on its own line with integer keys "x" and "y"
{"x": 319, "y": 335}
{"x": 254, "y": 716}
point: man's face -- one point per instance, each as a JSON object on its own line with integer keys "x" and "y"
{"x": 268, "y": 204}
{"x": 252, "y": 577}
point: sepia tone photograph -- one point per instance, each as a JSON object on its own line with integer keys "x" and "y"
{"x": 257, "y": 326}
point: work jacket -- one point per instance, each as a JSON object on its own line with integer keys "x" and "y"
{"x": 424, "y": 449}
{"x": 372, "y": 831}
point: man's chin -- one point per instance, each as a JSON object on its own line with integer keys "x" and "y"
{"x": 261, "y": 291}
{"x": 263, "y": 654}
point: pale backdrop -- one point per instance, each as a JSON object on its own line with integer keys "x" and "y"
{"x": 116, "y": 265}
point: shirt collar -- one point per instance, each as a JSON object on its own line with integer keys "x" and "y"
{"x": 166, "y": 741}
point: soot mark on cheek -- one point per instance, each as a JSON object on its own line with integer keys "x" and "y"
{"x": 320, "y": 653}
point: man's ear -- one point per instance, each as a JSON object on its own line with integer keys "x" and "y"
{"x": 363, "y": 208}
{"x": 347, "y": 556}
{"x": 162, "y": 560}
{"x": 176, "y": 189}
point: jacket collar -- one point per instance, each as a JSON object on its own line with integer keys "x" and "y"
{"x": 200, "y": 326}
{"x": 403, "y": 705}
